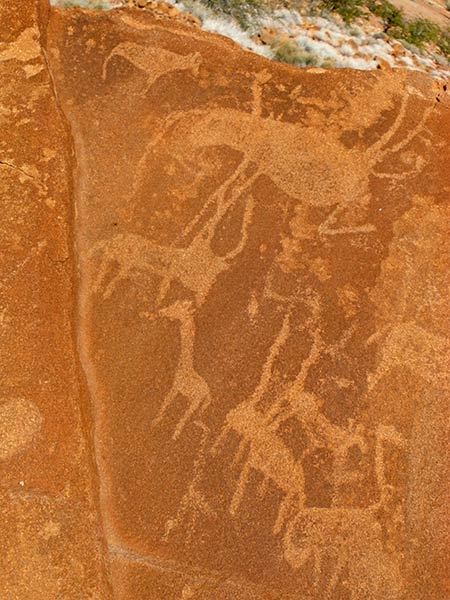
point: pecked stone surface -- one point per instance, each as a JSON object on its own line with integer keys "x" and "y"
{"x": 263, "y": 257}
{"x": 49, "y": 517}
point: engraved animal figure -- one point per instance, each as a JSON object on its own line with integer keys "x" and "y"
{"x": 194, "y": 265}
{"x": 294, "y": 402}
{"x": 322, "y": 433}
{"x": 335, "y": 539}
{"x": 193, "y": 506}
{"x": 348, "y": 537}
{"x": 266, "y": 454}
{"x": 187, "y": 382}
{"x": 278, "y": 149}
{"x": 155, "y": 62}
{"x": 265, "y": 451}
{"x": 281, "y": 150}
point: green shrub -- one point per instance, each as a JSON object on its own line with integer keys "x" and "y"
{"x": 390, "y": 14}
{"x": 423, "y": 30}
{"x": 414, "y": 34}
{"x": 288, "y": 52}
{"x": 348, "y": 9}
{"x": 241, "y": 11}
{"x": 419, "y": 32}
{"x": 443, "y": 43}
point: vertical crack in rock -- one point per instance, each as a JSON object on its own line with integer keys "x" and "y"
{"x": 50, "y": 527}
{"x": 87, "y": 400}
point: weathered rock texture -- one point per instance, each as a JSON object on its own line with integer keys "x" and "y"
{"x": 50, "y": 534}
{"x": 261, "y": 318}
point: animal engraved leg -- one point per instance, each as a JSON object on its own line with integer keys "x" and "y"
{"x": 240, "y": 489}
{"x": 168, "y": 401}
{"x": 193, "y": 506}
{"x": 287, "y": 505}
{"x": 267, "y": 453}
{"x": 187, "y": 382}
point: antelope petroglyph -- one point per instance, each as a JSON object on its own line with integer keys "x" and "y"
{"x": 262, "y": 449}
{"x": 194, "y": 265}
{"x": 281, "y": 151}
{"x": 155, "y": 62}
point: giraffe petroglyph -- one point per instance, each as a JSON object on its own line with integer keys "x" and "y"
{"x": 187, "y": 382}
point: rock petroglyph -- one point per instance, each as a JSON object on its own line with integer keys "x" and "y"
{"x": 155, "y": 62}
{"x": 262, "y": 450}
{"x": 195, "y": 266}
{"x": 261, "y": 314}
{"x": 187, "y": 382}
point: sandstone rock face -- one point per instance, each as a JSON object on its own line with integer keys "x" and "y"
{"x": 260, "y": 312}
{"x": 49, "y": 519}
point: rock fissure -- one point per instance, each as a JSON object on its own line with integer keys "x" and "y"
{"x": 87, "y": 403}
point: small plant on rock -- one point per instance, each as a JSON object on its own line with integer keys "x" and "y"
{"x": 241, "y": 11}
{"x": 349, "y": 10}
{"x": 420, "y": 32}
{"x": 288, "y": 52}
{"x": 443, "y": 43}
{"x": 391, "y": 15}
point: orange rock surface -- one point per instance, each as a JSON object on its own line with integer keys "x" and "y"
{"x": 50, "y": 531}
{"x": 250, "y": 369}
